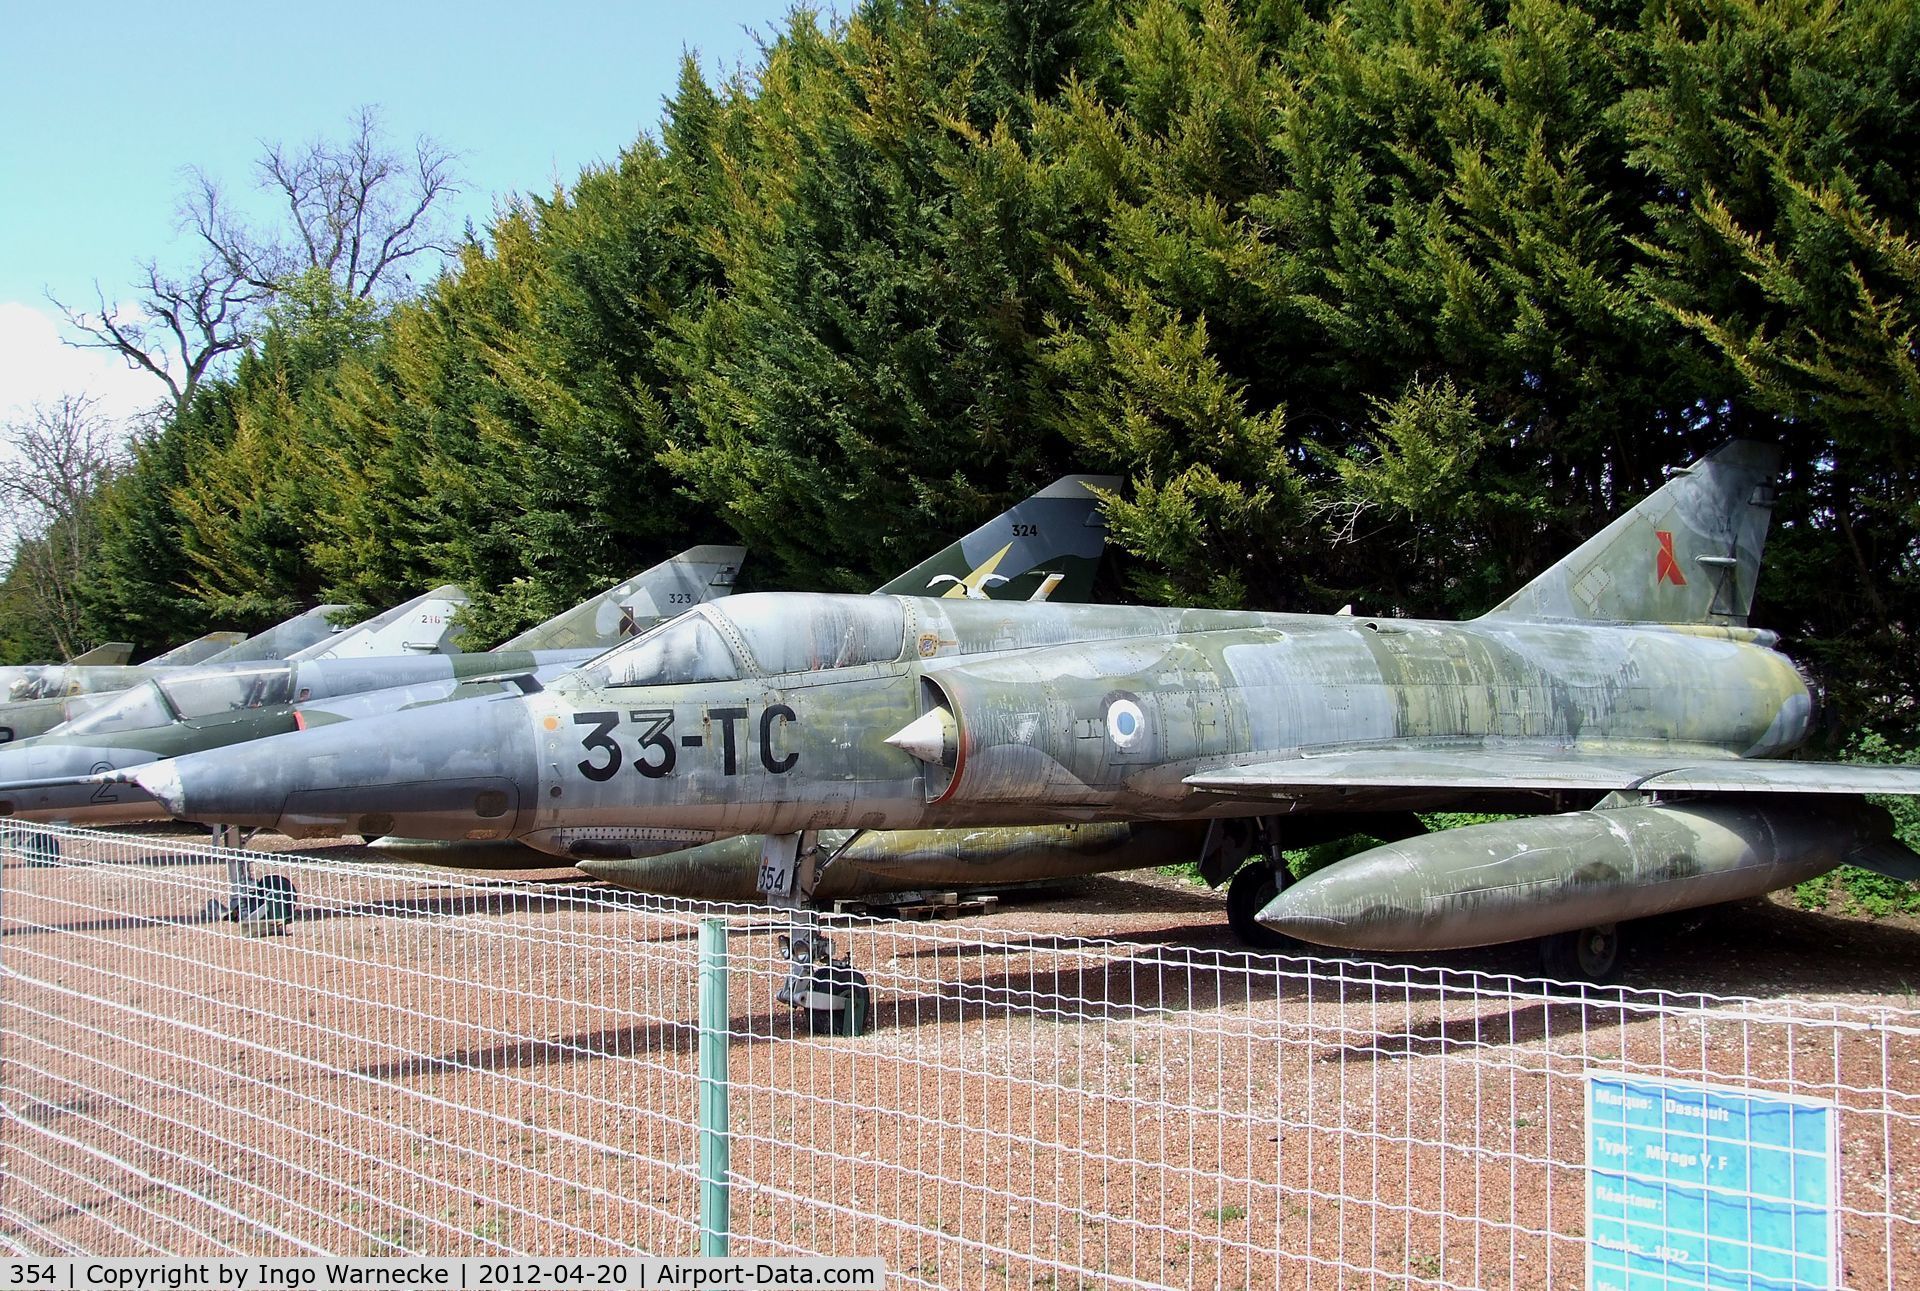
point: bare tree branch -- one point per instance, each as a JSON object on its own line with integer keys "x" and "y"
{"x": 355, "y": 209}
{"x": 66, "y": 452}
{"x": 182, "y": 327}
{"x": 358, "y": 210}
{"x": 204, "y": 210}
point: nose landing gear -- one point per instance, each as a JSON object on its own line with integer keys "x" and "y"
{"x": 832, "y": 992}
{"x": 260, "y": 906}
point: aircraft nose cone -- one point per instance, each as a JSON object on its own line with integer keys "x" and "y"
{"x": 460, "y": 770}
{"x": 51, "y": 782}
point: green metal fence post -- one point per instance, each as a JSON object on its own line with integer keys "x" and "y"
{"x": 715, "y": 1222}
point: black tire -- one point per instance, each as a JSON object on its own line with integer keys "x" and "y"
{"x": 269, "y": 900}
{"x": 1585, "y": 956}
{"x": 1247, "y": 895}
{"x": 275, "y": 903}
{"x": 841, "y": 1021}
{"x": 42, "y": 850}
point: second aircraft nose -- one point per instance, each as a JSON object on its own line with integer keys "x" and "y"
{"x": 462, "y": 770}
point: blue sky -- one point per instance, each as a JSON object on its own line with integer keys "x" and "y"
{"x": 105, "y": 106}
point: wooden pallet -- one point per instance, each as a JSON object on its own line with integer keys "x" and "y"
{"x": 923, "y": 905}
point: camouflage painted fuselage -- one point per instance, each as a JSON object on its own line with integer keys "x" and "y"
{"x": 264, "y": 706}
{"x": 1032, "y": 696}
{"x": 23, "y": 719}
{"x": 1050, "y": 713}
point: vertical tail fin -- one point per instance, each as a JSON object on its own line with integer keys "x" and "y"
{"x": 1688, "y": 554}
{"x": 695, "y": 575}
{"x": 1058, "y": 530}
{"x": 111, "y": 655}
{"x": 424, "y": 625}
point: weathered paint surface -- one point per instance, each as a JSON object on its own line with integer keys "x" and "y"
{"x": 1032, "y": 689}
{"x": 1057, "y": 534}
{"x": 696, "y": 575}
{"x": 1045, "y": 547}
{"x": 1549, "y": 874}
{"x": 193, "y": 710}
{"x": 305, "y": 635}
{"x": 778, "y": 714}
{"x": 869, "y": 863}
{"x": 111, "y": 653}
{"x": 198, "y": 650}
{"x": 37, "y": 696}
{"x": 422, "y": 626}
{"x": 1703, "y": 536}
{"x": 166, "y": 712}
{"x": 27, "y": 718}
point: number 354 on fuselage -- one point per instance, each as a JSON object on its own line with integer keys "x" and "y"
{"x": 1626, "y": 667}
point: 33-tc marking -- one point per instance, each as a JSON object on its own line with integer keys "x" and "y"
{"x": 657, "y": 752}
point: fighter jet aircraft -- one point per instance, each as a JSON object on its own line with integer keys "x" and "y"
{"x": 183, "y": 710}
{"x": 40, "y": 699}
{"x": 1048, "y": 545}
{"x": 1623, "y": 682}
{"x": 35, "y": 681}
{"x": 83, "y": 691}
{"x": 52, "y": 778}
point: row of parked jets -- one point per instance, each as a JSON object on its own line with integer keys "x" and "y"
{"x": 975, "y": 721}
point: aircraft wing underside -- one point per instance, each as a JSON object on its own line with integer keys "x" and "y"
{"x": 1321, "y": 775}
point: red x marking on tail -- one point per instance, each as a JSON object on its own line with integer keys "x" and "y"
{"x": 1665, "y": 568}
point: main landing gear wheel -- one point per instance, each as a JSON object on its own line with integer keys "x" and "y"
{"x": 1253, "y": 886}
{"x": 1583, "y": 956}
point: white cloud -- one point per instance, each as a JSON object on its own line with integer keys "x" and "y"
{"x": 37, "y": 366}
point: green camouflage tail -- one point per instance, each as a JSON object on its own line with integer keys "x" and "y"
{"x": 1688, "y": 554}
{"x": 1051, "y": 542}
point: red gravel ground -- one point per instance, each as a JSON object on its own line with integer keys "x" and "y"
{"x": 452, "y": 1065}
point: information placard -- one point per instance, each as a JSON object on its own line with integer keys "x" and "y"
{"x": 1702, "y": 1186}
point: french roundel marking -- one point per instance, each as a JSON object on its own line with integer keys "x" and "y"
{"x": 1125, "y": 723}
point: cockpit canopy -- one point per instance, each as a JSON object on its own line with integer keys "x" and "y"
{"x": 686, "y": 649}
{"x": 188, "y": 696}
{"x": 780, "y": 633}
{"x": 137, "y": 709}
{"x": 44, "y": 684}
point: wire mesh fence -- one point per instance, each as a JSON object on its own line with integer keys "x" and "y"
{"x": 427, "y": 1062}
